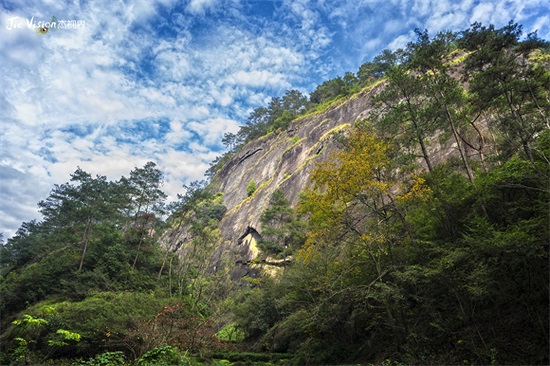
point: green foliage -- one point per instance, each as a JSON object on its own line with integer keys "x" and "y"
{"x": 502, "y": 82}
{"x": 282, "y": 232}
{"x": 64, "y": 335}
{"x": 452, "y": 269}
{"x": 85, "y": 245}
{"x": 328, "y": 90}
{"x": 263, "y": 120}
{"x": 231, "y": 333}
{"x": 251, "y": 188}
{"x": 250, "y": 358}
{"x": 108, "y": 268}
{"x": 408, "y": 119}
{"x": 166, "y": 355}
{"x": 91, "y": 237}
{"x": 377, "y": 68}
{"x": 33, "y": 339}
{"x": 281, "y": 122}
{"x": 97, "y": 322}
{"x": 115, "y": 358}
{"x": 199, "y": 211}
{"x": 30, "y": 321}
{"x": 256, "y": 311}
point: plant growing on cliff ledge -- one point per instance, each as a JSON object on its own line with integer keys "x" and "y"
{"x": 282, "y": 232}
{"x": 251, "y": 188}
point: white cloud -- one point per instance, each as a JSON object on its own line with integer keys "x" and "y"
{"x": 200, "y": 6}
{"x": 94, "y": 96}
{"x": 401, "y": 41}
{"x": 259, "y": 78}
{"x": 482, "y": 13}
{"x": 541, "y": 23}
{"x": 451, "y": 20}
{"x": 212, "y": 130}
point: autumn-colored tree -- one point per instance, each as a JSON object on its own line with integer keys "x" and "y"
{"x": 357, "y": 234}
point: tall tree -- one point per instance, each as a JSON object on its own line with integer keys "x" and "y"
{"x": 404, "y": 114}
{"x": 357, "y": 239}
{"x": 504, "y": 81}
{"x": 430, "y": 58}
{"x": 143, "y": 187}
{"x": 377, "y": 68}
{"x": 80, "y": 205}
{"x": 294, "y": 102}
{"x": 256, "y": 125}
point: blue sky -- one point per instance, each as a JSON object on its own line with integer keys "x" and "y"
{"x": 163, "y": 80}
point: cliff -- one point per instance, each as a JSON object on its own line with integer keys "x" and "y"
{"x": 279, "y": 160}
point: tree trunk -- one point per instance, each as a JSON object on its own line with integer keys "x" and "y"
{"x": 424, "y": 151}
{"x": 419, "y": 136}
{"x": 85, "y": 239}
{"x": 137, "y": 254}
{"x": 457, "y": 140}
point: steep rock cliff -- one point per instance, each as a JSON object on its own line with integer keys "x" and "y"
{"x": 280, "y": 160}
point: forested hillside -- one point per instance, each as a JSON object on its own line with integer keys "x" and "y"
{"x": 423, "y": 238}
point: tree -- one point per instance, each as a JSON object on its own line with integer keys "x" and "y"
{"x": 23, "y": 247}
{"x": 404, "y": 113}
{"x": 80, "y": 205}
{"x": 294, "y": 102}
{"x": 282, "y": 233}
{"x": 351, "y": 83}
{"x": 505, "y": 82}
{"x": 229, "y": 140}
{"x": 143, "y": 187}
{"x": 251, "y": 188}
{"x": 282, "y": 122}
{"x": 446, "y": 98}
{"x": 357, "y": 233}
{"x": 256, "y": 125}
{"x": 327, "y": 91}
{"x": 197, "y": 216}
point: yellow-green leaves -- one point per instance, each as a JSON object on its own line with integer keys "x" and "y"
{"x": 353, "y": 177}
{"x": 30, "y": 320}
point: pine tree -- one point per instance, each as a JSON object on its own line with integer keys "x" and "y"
{"x": 282, "y": 233}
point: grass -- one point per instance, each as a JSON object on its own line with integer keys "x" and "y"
{"x": 334, "y": 130}
{"x": 322, "y": 108}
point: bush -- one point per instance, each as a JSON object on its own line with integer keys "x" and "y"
{"x": 166, "y": 355}
{"x": 251, "y": 188}
{"x": 105, "y": 359}
{"x": 231, "y": 333}
{"x": 102, "y": 320}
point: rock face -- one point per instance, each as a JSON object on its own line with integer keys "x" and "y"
{"x": 277, "y": 161}
{"x": 283, "y": 161}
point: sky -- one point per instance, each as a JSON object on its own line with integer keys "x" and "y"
{"x": 127, "y": 82}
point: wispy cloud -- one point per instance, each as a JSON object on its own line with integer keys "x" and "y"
{"x": 164, "y": 80}
{"x": 200, "y": 6}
